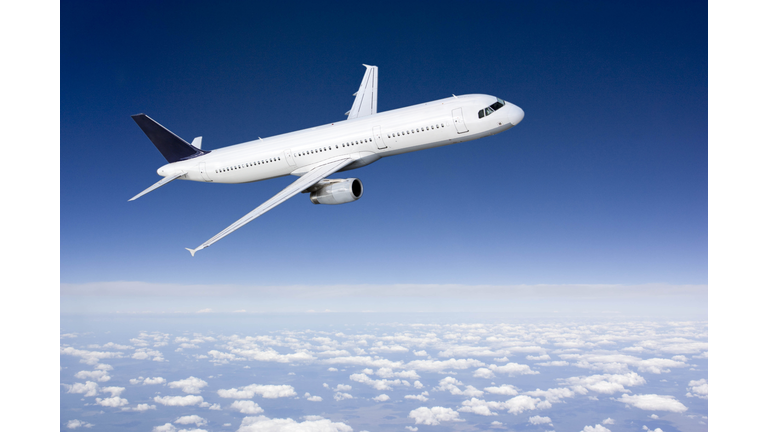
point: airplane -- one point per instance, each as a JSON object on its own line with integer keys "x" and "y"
{"x": 314, "y": 154}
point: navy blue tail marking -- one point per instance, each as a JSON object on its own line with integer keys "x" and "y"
{"x": 171, "y": 146}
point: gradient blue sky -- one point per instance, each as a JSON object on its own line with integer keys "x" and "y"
{"x": 604, "y": 182}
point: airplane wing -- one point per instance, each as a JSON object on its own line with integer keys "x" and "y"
{"x": 307, "y": 180}
{"x": 367, "y": 96}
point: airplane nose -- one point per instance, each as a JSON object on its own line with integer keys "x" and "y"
{"x": 515, "y": 114}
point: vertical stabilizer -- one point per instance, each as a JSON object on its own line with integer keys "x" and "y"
{"x": 168, "y": 143}
{"x": 367, "y": 96}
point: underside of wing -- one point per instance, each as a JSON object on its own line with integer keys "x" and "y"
{"x": 366, "y": 98}
{"x": 302, "y": 183}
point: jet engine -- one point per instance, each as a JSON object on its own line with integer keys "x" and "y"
{"x": 337, "y": 191}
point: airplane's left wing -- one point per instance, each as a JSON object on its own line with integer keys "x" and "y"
{"x": 307, "y": 180}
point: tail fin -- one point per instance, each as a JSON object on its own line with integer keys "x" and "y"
{"x": 171, "y": 146}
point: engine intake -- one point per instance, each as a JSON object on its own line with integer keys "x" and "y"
{"x": 338, "y": 192}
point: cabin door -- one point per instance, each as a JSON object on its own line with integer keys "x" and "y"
{"x": 377, "y": 137}
{"x": 203, "y": 174}
{"x": 289, "y": 158}
{"x": 458, "y": 121}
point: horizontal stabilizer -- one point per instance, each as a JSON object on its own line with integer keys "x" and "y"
{"x": 162, "y": 182}
{"x": 170, "y": 145}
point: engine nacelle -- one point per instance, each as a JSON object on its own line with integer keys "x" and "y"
{"x": 338, "y": 192}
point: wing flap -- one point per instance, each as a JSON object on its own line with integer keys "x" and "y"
{"x": 307, "y": 180}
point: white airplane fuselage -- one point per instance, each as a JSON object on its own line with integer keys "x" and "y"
{"x": 364, "y": 139}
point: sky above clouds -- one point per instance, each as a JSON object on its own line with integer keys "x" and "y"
{"x": 604, "y": 182}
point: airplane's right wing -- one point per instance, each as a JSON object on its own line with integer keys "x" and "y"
{"x": 307, "y": 180}
{"x": 367, "y": 96}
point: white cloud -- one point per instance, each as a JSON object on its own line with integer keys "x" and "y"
{"x": 192, "y": 419}
{"x": 315, "y": 399}
{"x": 505, "y": 389}
{"x": 439, "y": 366}
{"x": 617, "y": 363}
{"x": 552, "y": 395}
{"x": 434, "y": 415}
{"x": 88, "y": 389}
{"x": 114, "y": 390}
{"x": 538, "y": 358}
{"x": 247, "y": 407}
{"x": 342, "y": 396}
{"x": 388, "y": 373}
{"x": 421, "y": 397}
{"x": 382, "y": 384}
{"x": 104, "y": 367}
{"x": 112, "y": 345}
{"x": 266, "y": 391}
{"x": 332, "y": 369}
{"x": 112, "y": 402}
{"x": 381, "y": 398}
{"x": 553, "y": 363}
{"x": 97, "y": 375}
{"x": 188, "y": 385}
{"x": 418, "y": 384}
{"x": 264, "y": 424}
{"x": 215, "y": 407}
{"x": 152, "y": 381}
{"x": 421, "y": 353}
{"x": 145, "y": 353}
{"x": 609, "y": 421}
{"x": 74, "y": 424}
{"x": 698, "y": 388}
{"x": 516, "y": 405}
{"x": 513, "y": 369}
{"x": 653, "y": 402}
{"x": 89, "y": 357}
{"x": 343, "y": 387}
{"x": 537, "y": 420}
{"x": 179, "y": 400}
{"x": 652, "y": 430}
{"x": 412, "y": 428}
{"x": 450, "y": 384}
{"x": 606, "y": 384}
{"x": 141, "y": 407}
{"x": 595, "y": 428}
{"x": 483, "y": 373}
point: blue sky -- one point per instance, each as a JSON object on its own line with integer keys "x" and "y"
{"x": 604, "y": 182}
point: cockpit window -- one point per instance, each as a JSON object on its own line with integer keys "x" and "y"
{"x": 491, "y": 109}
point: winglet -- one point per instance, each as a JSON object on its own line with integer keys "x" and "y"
{"x": 192, "y": 251}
